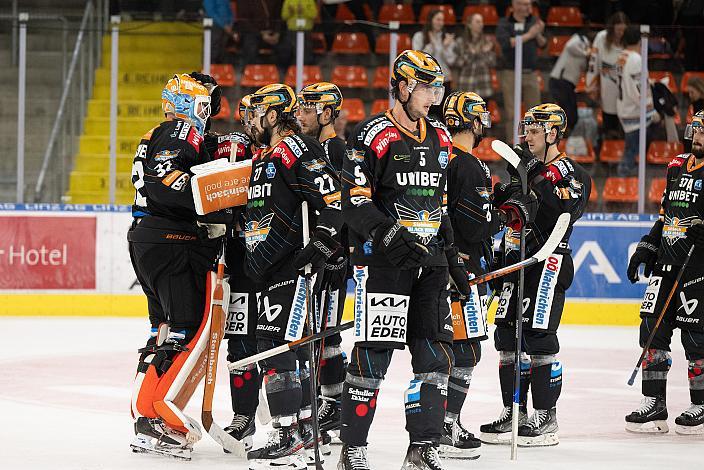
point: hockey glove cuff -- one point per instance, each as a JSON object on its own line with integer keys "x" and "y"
{"x": 646, "y": 253}
{"x": 520, "y": 209}
{"x": 458, "y": 271}
{"x": 401, "y": 247}
{"x": 335, "y": 270}
{"x": 320, "y": 247}
{"x": 503, "y": 192}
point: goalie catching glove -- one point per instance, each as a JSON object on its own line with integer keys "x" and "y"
{"x": 401, "y": 247}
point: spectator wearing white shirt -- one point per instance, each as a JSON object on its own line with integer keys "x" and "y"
{"x": 435, "y": 41}
{"x": 565, "y": 75}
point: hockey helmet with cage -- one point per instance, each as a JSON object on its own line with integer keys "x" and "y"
{"x": 276, "y": 96}
{"x": 462, "y": 108}
{"x": 187, "y": 99}
{"x": 243, "y": 108}
{"x": 547, "y": 116}
{"x": 418, "y": 67}
{"x": 321, "y": 95}
{"x": 697, "y": 125}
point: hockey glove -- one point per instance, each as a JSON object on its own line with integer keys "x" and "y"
{"x": 520, "y": 209}
{"x": 497, "y": 283}
{"x": 503, "y": 192}
{"x": 213, "y": 89}
{"x": 401, "y": 247}
{"x": 646, "y": 253}
{"x": 534, "y": 167}
{"x": 335, "y": 270}
{"x": 320, "y": 247}
{"x": 695, "y": 234}
{"x": 458, "y": 271}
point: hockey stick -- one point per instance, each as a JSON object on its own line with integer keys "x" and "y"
{"x": 312, "y": 361}
{"x": 217, "y": 323}
{"x": 660, "y": 317}
{"x": 513, "y": 159}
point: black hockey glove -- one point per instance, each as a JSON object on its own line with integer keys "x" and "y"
{"x": 646, "y": 253}
{"x": 458, "y": 271}
{"x": 401, "y": 247}
{"x": 695, "y": 234}
{"x": 320, "y": 247}
{"x": 213, "y": 89}
{"x": 534, "y": 167}
{"x": 504, "y": 191}
{"x": 520, "y": 209}
{"x": 335, "y": 270}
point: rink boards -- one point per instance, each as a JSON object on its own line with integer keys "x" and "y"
{"x": 58, "y": 259}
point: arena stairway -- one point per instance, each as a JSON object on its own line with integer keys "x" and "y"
{"x": 150, "y": 54}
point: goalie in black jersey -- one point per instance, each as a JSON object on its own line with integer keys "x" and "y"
{"x": 475, "y": 220}
{"x": 561, "y": 185}
{"x": 662, "y": 253}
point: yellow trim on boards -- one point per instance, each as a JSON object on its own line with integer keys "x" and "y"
{"x": 97, "y": 305}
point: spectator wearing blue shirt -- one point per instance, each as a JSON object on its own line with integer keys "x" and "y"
{"x": 221, "y": 13}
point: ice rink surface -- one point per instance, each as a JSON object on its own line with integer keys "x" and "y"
{"x": 65, "y": 392}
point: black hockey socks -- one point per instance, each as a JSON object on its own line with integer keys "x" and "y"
{"x": 546, "y": 380}
{"x": 425, "y": 401}
{"x": 696, "y": 381}
{"x": 359, "y": 396}
{"x": 244, "y": 389}
{"x": 506, "y": 375}
{"x": 655, "y": 366}
{"x": 457, "y": 389}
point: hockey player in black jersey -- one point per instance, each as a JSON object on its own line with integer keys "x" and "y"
{"x": 475, "y": 220}
{"x": 393, "y": 181}
{"x": 172, "y": 257}
{"x": 292, "y": 168}
{"x": 319, "y": 105}
{"x": 561, "y": 185}
{"x": 662, "y": 252}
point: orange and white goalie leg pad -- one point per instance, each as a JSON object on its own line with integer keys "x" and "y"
{"x": 144, "y": 382}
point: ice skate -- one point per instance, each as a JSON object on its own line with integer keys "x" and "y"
{"x": 540, "y": 430}
{"x": 154, "y": 437}
{"x": 305, "y": 428}
{"x": 458, "y": 443}
{"x": 422, "y": 456}
{"x": 499, "y": 431}
{"x": 691, "y": 421}
{"x": 283, "y": 450}
{"x": 328, "y": 414}
{"x": 650, "y": 417}
{"x": 242, "y": 428}
{"x": 353, "y": 458}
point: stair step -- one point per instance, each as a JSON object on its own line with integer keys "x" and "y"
{"x": 155, "y": 78}
{"x": 99, "y": 181}
{"x": 98, "y": 197}
{"x": 127, "y": 109}
{"x": 101, "y": 144}
{"x": 154, "y": 43}
{"x": 132, "y": 92}
{"x": 100, "y": 163}
{"x": 125, "y": 126}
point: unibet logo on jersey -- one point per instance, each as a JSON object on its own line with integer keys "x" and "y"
{"x": 546, "y": 291}
{"x": 237, "y": 314}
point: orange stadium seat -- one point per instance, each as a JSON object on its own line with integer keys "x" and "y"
{"x": 350, "y": 76}
{"x": 685, "y": 78}
{"x": 320, "y": 45}
{"x": 556, "y": 44}
{"x": 589, "y": 157}
{"x": 258, "y": 75}
{"x": 350, "y": 43}
{"x": 662, "y": 153}
{"x": 225, "y": 111}
{"x": 488, "y": 12}
{"x": 657, "y": 188}
{"x": 611, "y": 151}
{"x": 564, "y": 16}
{"x": 594, "y": 194}
{"x": 381, "y": 77}
{"x": 659, "y": 75}
{"x": 623, "y": 190}
{"x": 224, "y": 74}
{"x": 379, "y": 106}
{"x": 535, "y": 11}
{"x": 401, "y": 12}
{"x": 484, "y": 151}
{"x": 495, "y": 112}
{"x": 383, "y": 42}
{"x": 355, "y": 109}
{"x": 345, "y": 14}
{"x": 446, "y": 9}
{"x": 311, "y": 74}
{"x": 495, "y": 85}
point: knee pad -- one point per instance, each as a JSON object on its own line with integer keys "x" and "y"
{"x": 332, "y": 370}
{"x": 467, "y": 354}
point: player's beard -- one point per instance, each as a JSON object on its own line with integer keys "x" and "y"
{"x": 698, "y": 151}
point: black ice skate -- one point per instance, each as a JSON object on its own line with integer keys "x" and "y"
{"x": 242, "y": 428}
{"x": 328, "y": 414}
{"x": 422, "y": 456}
{"x": 353, "y": 458}
{"x": 650, "y": 417}
{"x": 458, "y": 443}
{"x": 154, "y": 437}
{"x": 283, "y": 450}
{"x": 499, "y": 431}
{"x": 305, "y": 428}
{"x": 540, "y": 430}
{"x": 691, "y": 421}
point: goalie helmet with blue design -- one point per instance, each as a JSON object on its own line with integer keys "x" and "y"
{"x": 185, "y": 98}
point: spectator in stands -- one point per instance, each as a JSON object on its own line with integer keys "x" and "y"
{"x": 261, "y": 27}
{"x": 691, "y": 15}
{"x": 435, "y": 41}
{"x": 475, "y": 58}
{"x": 307, "y": 11}
{"x": 602, "y": 79}
{"x": 695, "y": 91}
{"x": 221, "y": 13}
{"x": 533, "y": 38}
{"x": 628, "y": 102}
{"x": 566, "y": 72}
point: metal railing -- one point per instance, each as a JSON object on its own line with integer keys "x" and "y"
{"x": 77, "y": 89}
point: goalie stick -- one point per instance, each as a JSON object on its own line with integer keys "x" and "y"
{"x": 217, "y": 323}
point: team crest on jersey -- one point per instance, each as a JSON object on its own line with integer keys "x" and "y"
{"x": 483, "y": 192}
{"x": 270, "y": 170}
{"x": 315, "y": 166}
{"x": 355, "y": 155}
{"x": 256, "y": 231}
{"x": 165, "y": 155}
{"x": 676, "y": 228}
{"x": 422, "y": 223}
{"x": 698, "y": 185}
{"x": 443, "y": 159}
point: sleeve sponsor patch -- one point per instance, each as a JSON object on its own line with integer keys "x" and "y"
{"x": 677, "y": 161}
{"x": 383, "y": 140}
{"x": 330, "y": 198}
{"x": 194, "y": 138}
{"x": 360, "y": 191}
{"x": 176, "y": 180}
{"x": 285, "y": 153}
